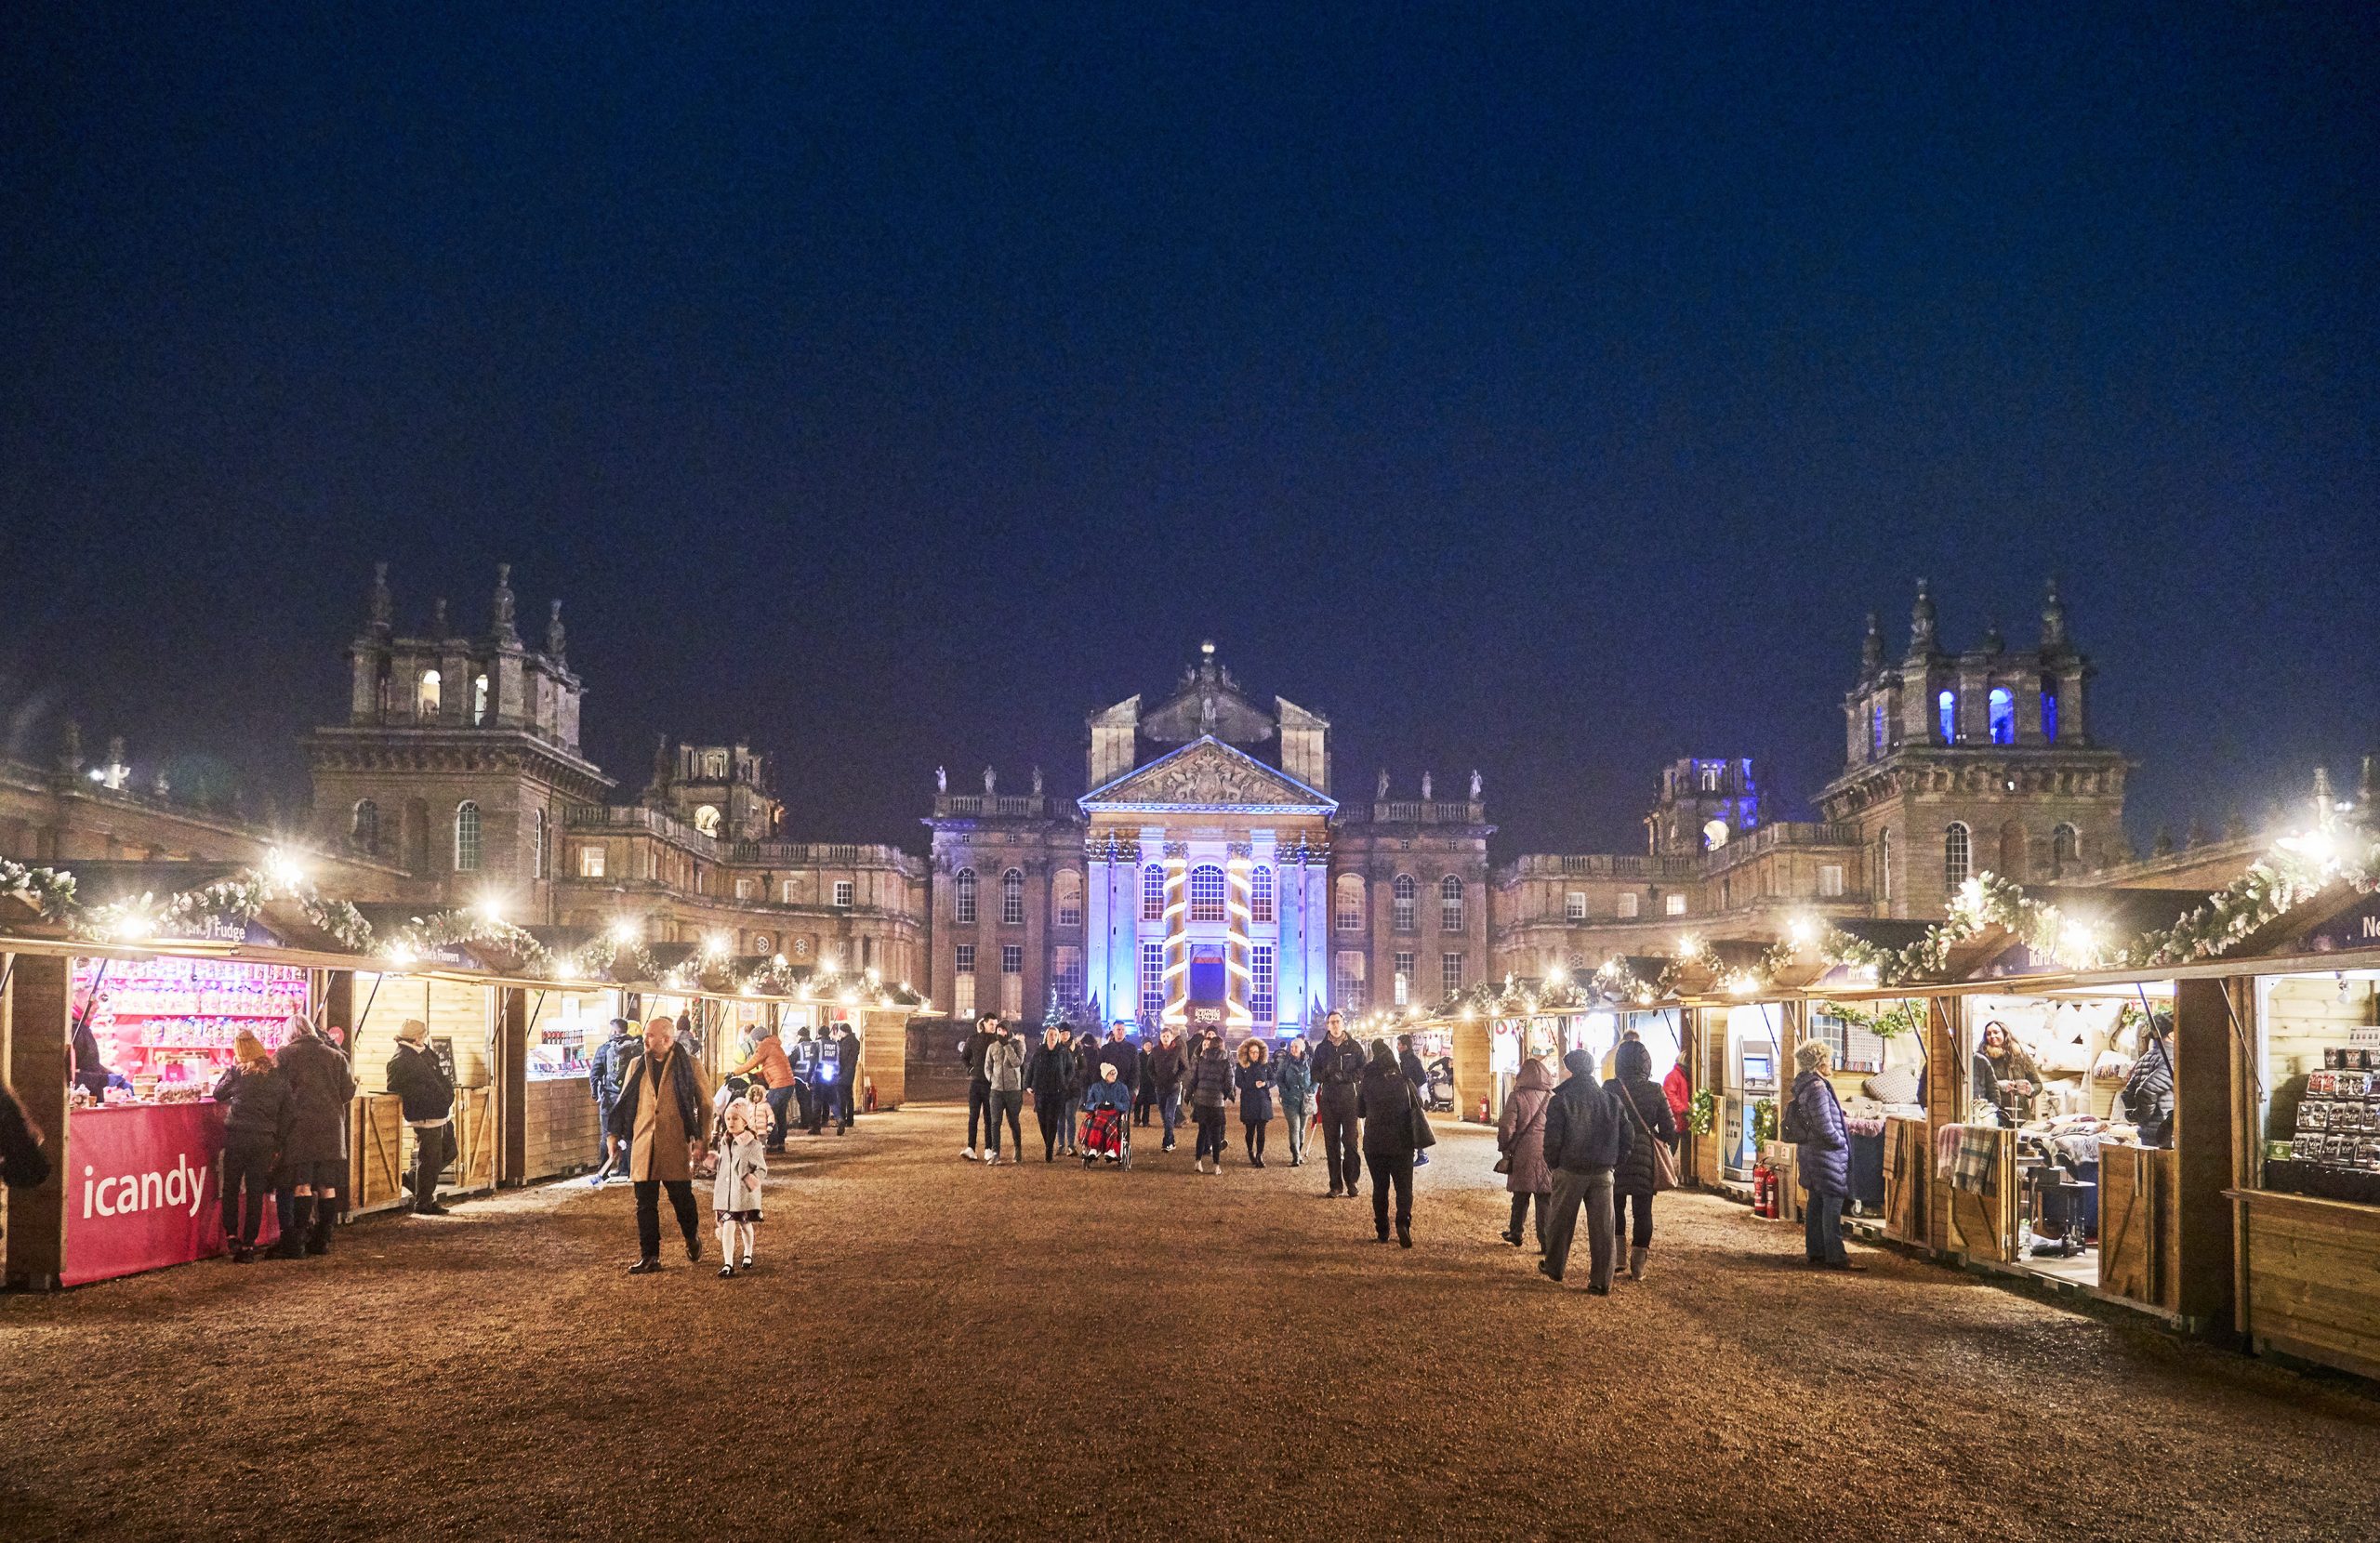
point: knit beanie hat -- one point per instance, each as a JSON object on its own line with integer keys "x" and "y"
{"x": 1579, "y": 1063}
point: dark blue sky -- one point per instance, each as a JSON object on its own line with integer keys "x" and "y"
{"x": 1549, "y": 393}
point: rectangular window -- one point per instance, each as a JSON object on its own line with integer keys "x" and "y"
{"x": 745, "y": 888}
{"x": 1152, "y": 893}
{"x": 1012, "y": 980}
{"x": 1011, "y": 899}
{"x": 1070, "y": 906}
{"x": 1351, "y": 982}
{"x": 1450, "y": 905}
{"x": 1065, "y": 974}
{"x": 1675, "y": 904}
{"x": 1401, "y": 913}
{"x": 1628, "y": 900}
{"x": 1152, "y": 979}
{"x": 1260, "y": 895}
{"x": 843, "y": 891}
{"x": 1574, "y": 906}
{"x": 1830, "y": 880}
{"x": 1260, "y": 985}
{"x": 785, "y": 891}
{"x": 1351, "y": 907}
{"x": 963, "y": 960}
{"x": 590, "y": 862}
{"x": 1403, "y": 985}
{"x": 1208, "y": 893}
{"x": 1450, "y": 973}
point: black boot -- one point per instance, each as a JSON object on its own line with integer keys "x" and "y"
{"x": 1405, "y": 1235}
{"x": 318, "y": 1241}
{"x": 294, "y": 1212}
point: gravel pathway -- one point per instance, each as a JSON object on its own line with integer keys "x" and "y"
{"x": 933, "y": 1349}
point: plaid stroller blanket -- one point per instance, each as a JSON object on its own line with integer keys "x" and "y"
{"x": 1102, "y": 1132}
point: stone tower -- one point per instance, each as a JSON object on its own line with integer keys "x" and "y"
{"x": 1959, "y": 764}
{"x": 458, "y": 757}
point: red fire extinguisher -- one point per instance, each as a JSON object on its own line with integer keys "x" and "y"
{"x": 1764, "y": 1190}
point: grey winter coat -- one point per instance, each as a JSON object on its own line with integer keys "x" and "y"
{"x": 1004, "y": 1064}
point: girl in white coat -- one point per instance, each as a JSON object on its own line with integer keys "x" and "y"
{"x": 735, "y": 1193}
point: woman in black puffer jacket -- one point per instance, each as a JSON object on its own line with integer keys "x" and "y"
{"x": 1211, "y": 1090}
{"x": 1647, "y": 1110}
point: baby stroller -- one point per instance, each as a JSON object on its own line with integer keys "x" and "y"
{"x": 1107, "y": 1135}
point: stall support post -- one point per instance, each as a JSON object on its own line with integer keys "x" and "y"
{"x": 1941, "y": 1107}
{"x": 512, "y": 1084}
{"x": 2207, "y": 1121}
{"x": 35, "y": 1025}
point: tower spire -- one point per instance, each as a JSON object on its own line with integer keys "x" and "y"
{"x": 380, "y": 611}
{"x": 1872, "y": 649}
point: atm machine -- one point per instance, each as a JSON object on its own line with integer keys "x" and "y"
{"x": 1752, "y": 1076}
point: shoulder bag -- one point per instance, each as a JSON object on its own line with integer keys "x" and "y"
{"x": 1504, "y": 1163}
{"x": 1664, "y": 1160}
{"x": 1424, "y": 1137}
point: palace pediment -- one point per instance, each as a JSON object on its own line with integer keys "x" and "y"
{"x": 1207, "y": 775}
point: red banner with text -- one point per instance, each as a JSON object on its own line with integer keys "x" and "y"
{"x": 141, "y": 1189}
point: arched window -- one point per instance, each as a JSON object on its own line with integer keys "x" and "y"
{"x": 2004, "y": 716}
{"x": 1206, "y": 894}
{"x": 467, "y": 838}
{"x": 1946, "y": 712}
{"x": 1876, "y": 735}
{"x": 479, "y": 699}
{"x": 1350, "y": 891}
{"x": 1069, "y": 897}
{"x": 1884, "y": 864}
{"x": 707, "y": 819}
{"x": 1012, "y": 898}
{"x": 1401, "y": 897}
{"x": 1450, "y": 904}
{"x": 426, "y": 695}
{"x": 1153, "y": 894}
{"x": 2049, "y": 708}
{"x": 1958, "y": 856}
{"x": 1714, "y": 834}
{"x": 1260, "y": 895}
{"x": 538, "y": 850}
{"x": 2065, "y": 850}
{"x": 962, "y": 896}
{"x": 365, "y": 828}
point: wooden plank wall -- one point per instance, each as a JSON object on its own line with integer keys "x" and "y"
{"x": 1474, "y": 1062}
{"x": 455, "y": 1010}
{"x": 1941, "y": 1107}
{"x": 883, "y": 1056}
{"x": 559, "y": 1125}
{"x": 1909, "y": 1175}
{"x": 2314, "y": 1283}
{"x": 40, "y": 1001}
{"x": 377, "y": 1150}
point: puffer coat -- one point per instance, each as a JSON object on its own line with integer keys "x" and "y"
{"x": 1293, "y": 1081}
{"x": 1255, "y": 1079}
{"x": 1823, "y": 1162}
{"x": 1647, "y": 1110}
{"x": 1210, "y": 1081}
{"x": 1004, "y": 1064}
{"x": 1521, "y": 1133}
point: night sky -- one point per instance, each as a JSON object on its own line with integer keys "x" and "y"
{"x": 1549, "y": 394}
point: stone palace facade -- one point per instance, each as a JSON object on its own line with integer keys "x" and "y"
{"x": 1213, "y": 871}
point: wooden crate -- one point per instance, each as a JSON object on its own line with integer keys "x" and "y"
{"x": 2314, "y": 1278}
